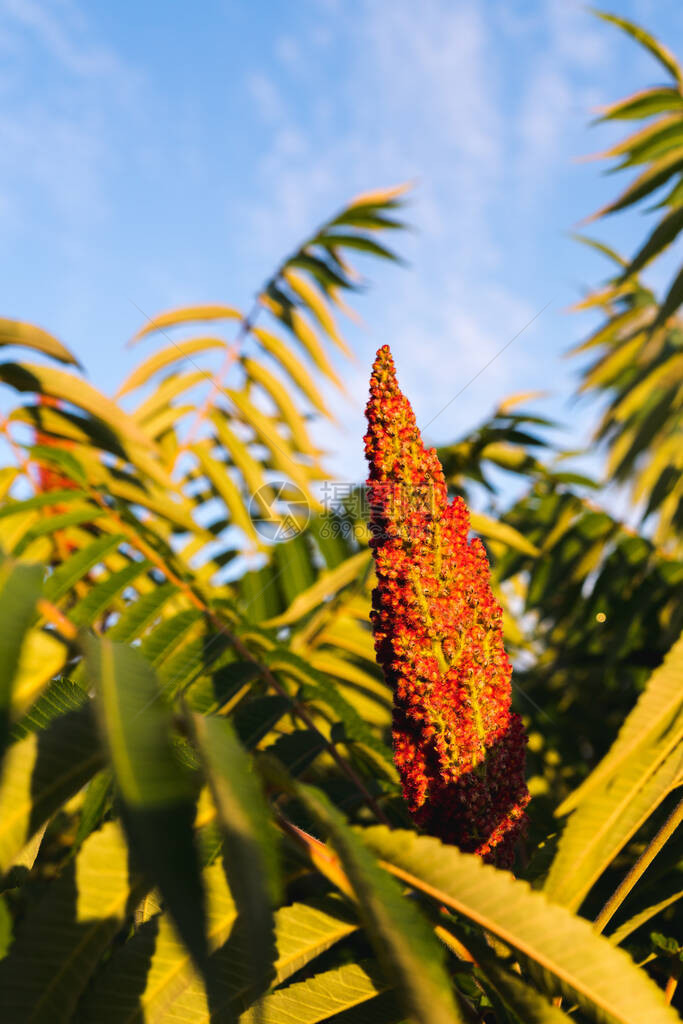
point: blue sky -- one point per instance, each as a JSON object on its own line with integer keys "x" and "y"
{"x": 160, "y": 154}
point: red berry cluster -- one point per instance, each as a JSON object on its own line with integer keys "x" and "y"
{"x": 459, "y": 749}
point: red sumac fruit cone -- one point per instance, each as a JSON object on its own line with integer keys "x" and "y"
{"x": 458, "y": 747}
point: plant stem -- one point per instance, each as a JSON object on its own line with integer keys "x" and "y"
{"x": 52, "y": 614}
{"x": 70, "y": 631}
{"x": 640, "y": 866}
{"x": 672, "y": 983}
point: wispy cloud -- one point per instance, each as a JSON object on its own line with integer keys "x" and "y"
{"x": 414, "y": 85}
{"x": 483, "y": 104}
{"x": 423, "y": 97}
{"x": 64, "y": 31}
{"x": 53, "y": 128}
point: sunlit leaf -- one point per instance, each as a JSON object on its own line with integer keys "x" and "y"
{"x": 571, "y": 957}
{"x": 292, "y": 365}
{"x": 42, "y": 658}
{"x": 157, "y": 793}
{"x": 656, "y": 709}
{"x": 46, "y": 380}
{"x": 604, "y": 823}
{"x": 99, "y": 598}
{"x": 14, "y": 332}
{"x": 659, "y": 100}
{"x": 657, "y": 49}
{"x": 228, "y": 491}
{"x": 321, "y": 997}
{"x": 380, "y": 197}
{"x": 328, "y": 584}
{"x": 652, "y": 178}
{"x": 20, "y": 587}
{"x": 496, "y": 530}
{"x": 39, "y": 772}
{"x": 285, "y": 404}
{"x": 79, "y": 564}
{"x": 148, "y": 974}
{"x": 183, "y": 350}
{"x": 642, "y": 917}
{"x": 401, "y": 937}
{"x": 64, "y": 935}
{"x": 249, "y": 851}
{"x": 189, "y": 314}
{"x": 310, "y": 295}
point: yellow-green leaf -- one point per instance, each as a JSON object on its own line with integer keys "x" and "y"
{"x": 39, "y": 772}
{"x": 47, "y": 380}
{"x": 325, "y": 587}
{"x": 228, "y": 490}
{"x": 657, "y": 49}
{"x": 570, "y": 957}
{"x": 147, "y": 975}
{"x": 314, "y": 299}
{"x": 657, "y": 707}
{"x": 183, "y": 350}
{"x": 42, "y": 658}
{"x": 508, "y": 535}
{"x": 189, "y": 314}
{"x": 156, "y": 791}
{"x": 259, "y": 374}
{"x": 64, "y": 935}
{"x": 249, "y": 849}
{"x": 14, "y": 332}
{"x": 292, "y": 365}
{"x": 20, "y": 587}
{"x": 321, "y": 997}
{"x": 400, "y": 935}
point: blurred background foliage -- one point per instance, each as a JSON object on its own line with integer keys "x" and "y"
{"x": 188, "y": 689}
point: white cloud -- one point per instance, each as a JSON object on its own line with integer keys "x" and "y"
{"x": 577, "y": 38}
{"x": 60, "y": 154}
{"x": 287, "y": 50}
{"x": 64, "y": 32}
{"x": 267, "y": 99}
{"x": 54, "y": 131}
{"x": 475, "y": 101}
{"x": 455, "y": 359}
{"x": 418, "y": 99}
{"x": 421, "y": 98}
{"x": 548, "y": 101}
